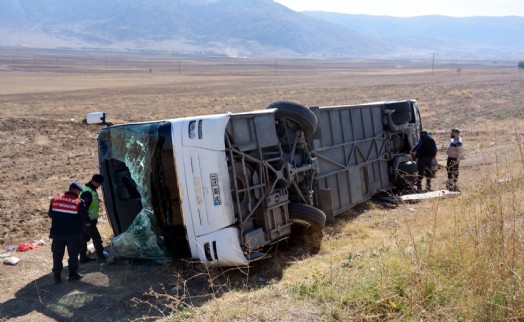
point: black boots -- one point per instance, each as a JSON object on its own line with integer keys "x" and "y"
{"x": 75, "y": 276}
{"x": 428, "y": 186}
{"x": 85, "y": 259}
{"x": 57, "y": 277}
{"x": 101, "y": 258}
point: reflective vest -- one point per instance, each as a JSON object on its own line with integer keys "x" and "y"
{"x": 92, "y": 211}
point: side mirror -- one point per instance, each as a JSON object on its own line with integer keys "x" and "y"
{"x": 96, "y": 118}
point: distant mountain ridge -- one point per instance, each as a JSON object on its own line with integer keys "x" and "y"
{"x": 491, "y": 31}
{"x": 247, "y": 28}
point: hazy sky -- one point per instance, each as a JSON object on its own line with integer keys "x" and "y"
{"x": 409, "y": 8}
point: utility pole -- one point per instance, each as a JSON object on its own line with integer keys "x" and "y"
{"x": 433, "y": 64}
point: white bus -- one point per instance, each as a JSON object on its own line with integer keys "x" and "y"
{"x": 222, "y": 188}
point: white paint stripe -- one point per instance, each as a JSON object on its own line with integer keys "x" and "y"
{"x": 66, "y": 211}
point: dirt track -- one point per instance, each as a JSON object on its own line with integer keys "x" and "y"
{"x": 44, "y": 146}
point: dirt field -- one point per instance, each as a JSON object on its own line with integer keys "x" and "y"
{"x": 43, "y": 146}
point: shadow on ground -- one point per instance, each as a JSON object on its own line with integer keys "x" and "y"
{"x": 133, "y": 290}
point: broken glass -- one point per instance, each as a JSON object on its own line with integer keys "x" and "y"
{"x": 127, "y": 152}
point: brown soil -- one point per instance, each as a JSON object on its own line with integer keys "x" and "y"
{"x": 44, "y": 146}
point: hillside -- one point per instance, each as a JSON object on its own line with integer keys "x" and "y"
{"x": 469, "y": 35}
{"x": 228, "y": 27}
{"x": 249, "y": 28}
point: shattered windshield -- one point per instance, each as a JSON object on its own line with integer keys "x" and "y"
{"x": 127, "y": 158}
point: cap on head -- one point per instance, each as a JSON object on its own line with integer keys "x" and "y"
{"x": 455, "y": 130}
{"x": 423, "y": 132}
{"x": 76, "y": 185}
{"x": 98, "y": 178}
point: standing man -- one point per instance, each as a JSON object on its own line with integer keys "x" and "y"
{"x": 454, "y": 151}
{"x": 68, "y": 215}
{"x": 90, "y": 197}
{"x": 425, "y": 151}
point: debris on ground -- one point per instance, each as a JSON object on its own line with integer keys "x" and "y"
{"x": 420, "y": 196}
{"x": 24, "y": 247}
{"x": 10, "y": 248}
{"x": 429, "y": 195}
{"x": 39, "y": 242}
{"x": 12, "y": 260}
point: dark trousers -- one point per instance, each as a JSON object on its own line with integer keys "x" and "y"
{"x": 424, "y": 170}
{"x": 58, "y": 248}
{"x": 453, "y": 173}
{"x": 92, "y": 233}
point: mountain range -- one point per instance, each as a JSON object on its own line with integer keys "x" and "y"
{"x": 247, "y": 28}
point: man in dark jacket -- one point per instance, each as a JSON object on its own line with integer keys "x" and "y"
{"x": 425, "y": 151}
{"x": 90, "y": 197}
{"x": 68, "y": 215}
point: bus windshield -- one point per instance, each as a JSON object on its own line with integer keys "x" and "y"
{"x": 141, "y": 193}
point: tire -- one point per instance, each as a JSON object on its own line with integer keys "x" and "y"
{"x": 308, "y": 215}
{"x": 402, "y": 112}
{"x": 298, "y": 113}
{"x": 407, "y": 173}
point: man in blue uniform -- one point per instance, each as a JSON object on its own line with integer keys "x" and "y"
{"x": 425, "y": 151}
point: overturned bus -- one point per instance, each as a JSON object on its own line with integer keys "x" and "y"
{"x": 221, "y": 188}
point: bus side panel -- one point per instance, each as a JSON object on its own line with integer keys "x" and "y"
{"x": 351, "y": 147}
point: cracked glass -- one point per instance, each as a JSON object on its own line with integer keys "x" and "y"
{"x": 133, "y": 148}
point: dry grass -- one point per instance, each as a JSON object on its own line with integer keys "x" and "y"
{"x": 467, "y": 265}
{"x": 455, "y": 259}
